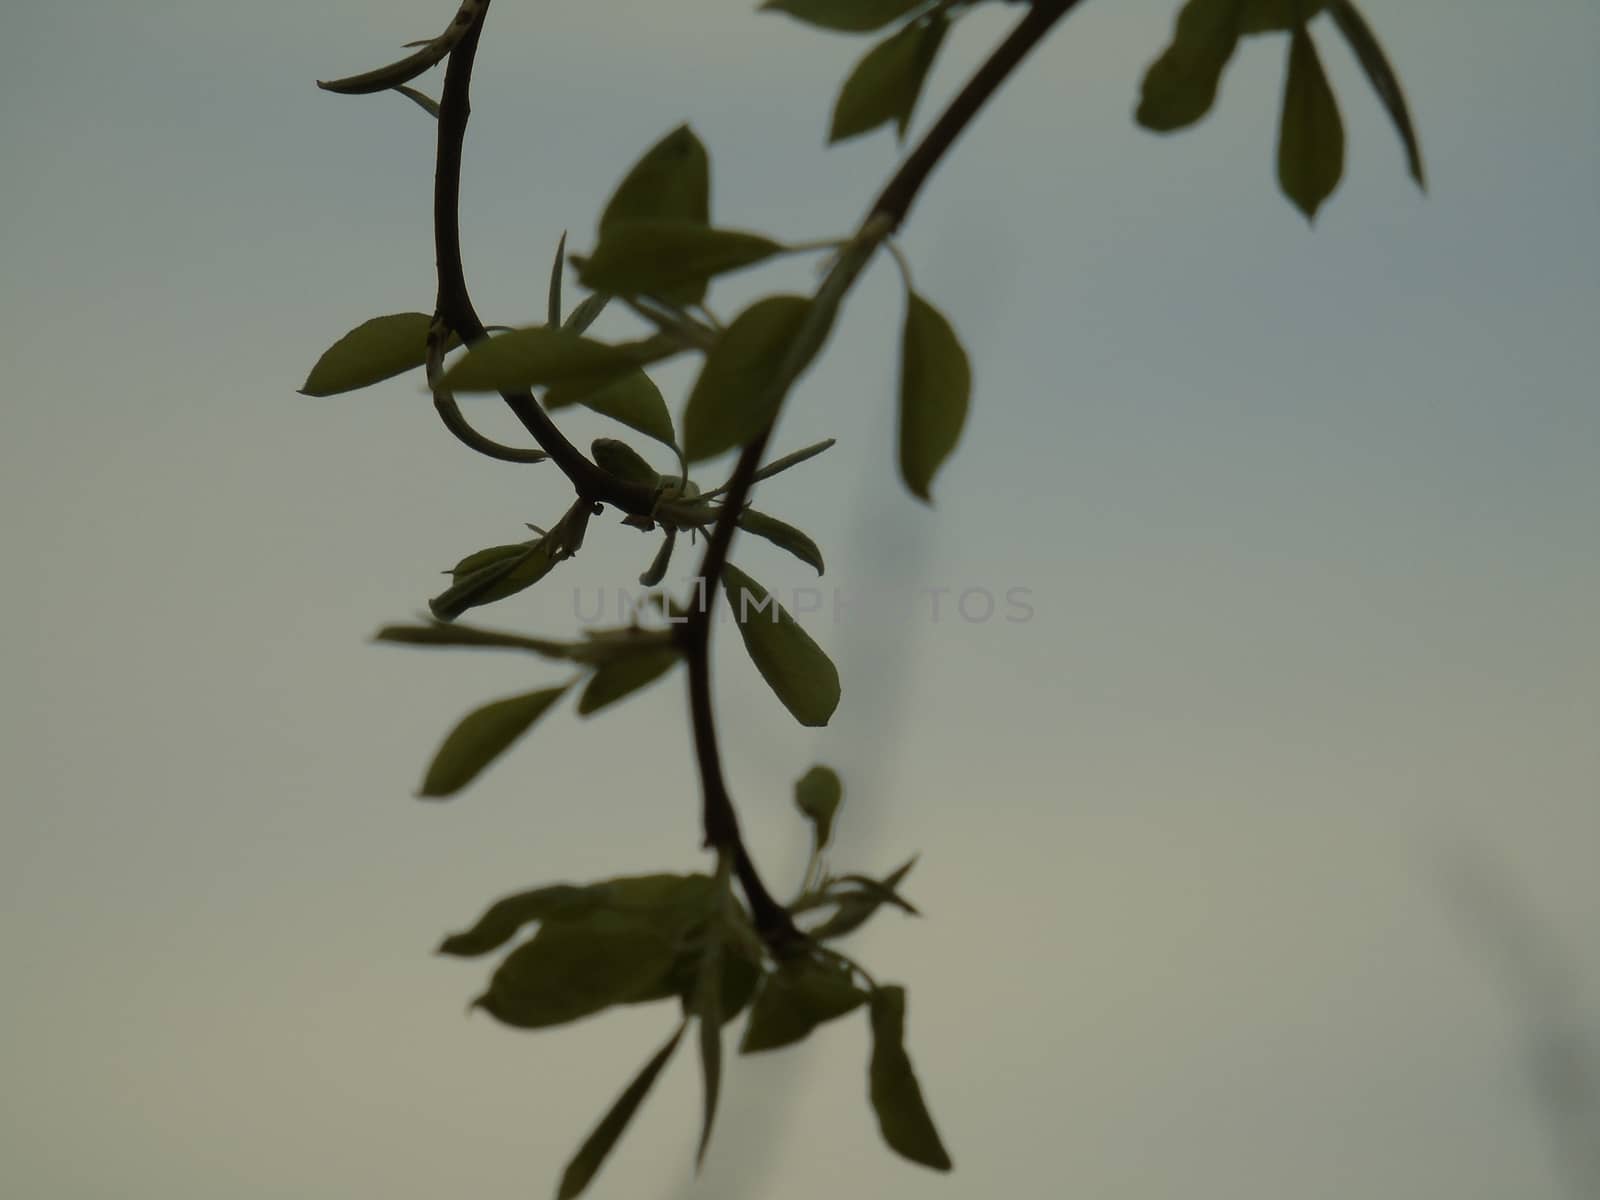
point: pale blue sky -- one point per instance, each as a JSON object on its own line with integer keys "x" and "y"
{"x": 1308, "y": 519}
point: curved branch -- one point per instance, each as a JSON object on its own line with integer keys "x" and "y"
{"x": 886, "y": 214}
{"x": 455, "y": 302}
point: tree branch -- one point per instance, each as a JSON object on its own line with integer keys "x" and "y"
{"x": 887, "y": 213}
{"x": 455, "y": 302}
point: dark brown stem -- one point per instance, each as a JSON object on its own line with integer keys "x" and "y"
{"x": 888, "y": 212}
{"x": 455, "y": 302}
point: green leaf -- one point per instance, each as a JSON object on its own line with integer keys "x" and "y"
{"x": 583, "y": 316}
{"x": 505, "y": 917}
{"x": 667, "y": 258}
{"x": 857, "y": 907}
{"x": 818, "y": 794}
{"x": 616, "y": 680}
{"x": 581, "y": 1170}
{"x": 672, "y": 182}
{"x": 1276, "y": 16}
{"x": 793, "y": 665}
{"x": 533, "y": 357}
{"x": 574, "y": 968}
{"x": 796, "y": 998}
{"x": 735, "y": 397}
{"x": 1310, "y": 136}
{"x": 553, "y": 302}
{"x": 782, "y": 535}
{"x": 622, "y": 460}
{"x": 849, "y": 16}
{"x": 481, "y": 737}
{"x": 885, "y": 84}
{"x": 1180, "y": 86}
{"x": 935, "y": 386}
{"x": 657, "y": 570}
{"x": 440, "y": 634}
{"x": 1382, "y": 77}
{"x": 373, "y": 351}
{"x": 494, "y": 574}
{"x": 631, "y": 398}
{"x": 892, "y": 1085}
{"x": 708, "y": 1011}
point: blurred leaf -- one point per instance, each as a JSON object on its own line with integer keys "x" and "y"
{"x": 875, "y": 890}
{"x": 1382, "y": 77}
{"x": 500, "y": 923}
{"x": 1180, "y": 86}
{"x": 818, "y": 794}
{"x": 534, "y": 357}
{"x": 672, "y": 182}
{"x": 935, "y": 385}
{"x": 856, "y": 909}
{"x": 440, "y": 634}
{"x": 622, "y": 460}
{"x": 793, "y": 665}
{"x": 581, "y": 1170}
{"x": 782, "y": 535}
{"x": 850, "y": 16}
{"x": 673, "y": 899}
{"x": 616, "y": 680}
{"x": 1276, "y": 16}
{"x": 1311, "y": 136}
{"x": 663, "y": 258}
{"x": 708, "y": 1011}
{"x": 657, "y": 570}
{"x": 373, "y": 351}
{"x": 885, "y": 84}
{"x": 631, "y": 398}
{"x": 734, "y": 398}
{"x": 481, "y": 737}
{"x": 796, "y": 998}
{"x": 896, "y": 1096}
{"x": 573, "y": 968}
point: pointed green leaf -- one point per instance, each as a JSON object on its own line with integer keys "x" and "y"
{"x": 481, "y": 737}
{"x": 616, "y": 680}
{"x": 793, "y": 665}
{"x": 708, "y": 1011}
{"x": 672, "y": 182}
{"x": 1311, "y": 135}
{"x": 574, "y": 968}
{"x": 857, "y": 908}
{"x": 505, "y": 917}
{"x": 423, "y": 101}
{"x": 589, "y": 308}
{"x": 440, "y": 634}
{"x": 818, "y": 794}
{"x": 782, "y": 535}
{"x": 534, "y": 357}
{"x": 373, "y": 351}
{"x": 498, "y": 572}
{"x": 1180, "y": 86}
{"x": 657, "y": 570}
{"x": 553, "y": 303}
{"x": 935, "y": 386}
{"x": 735, "y": 397}
{"x": 661, "y": 258}
{"x": 892, "y": 1085}
{"x": 849, "y": 16}
{"x": 631, "y": 398}
{"x": 885, "y": 84}
{"x": 1382, "y": 77}
{"x": 796, "y": 998}
{"x": 584, "y": 1165}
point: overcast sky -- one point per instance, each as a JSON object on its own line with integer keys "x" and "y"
{"x": 1306, "y": 519}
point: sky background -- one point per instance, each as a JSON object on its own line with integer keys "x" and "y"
{"x": 1217, "y": 847}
